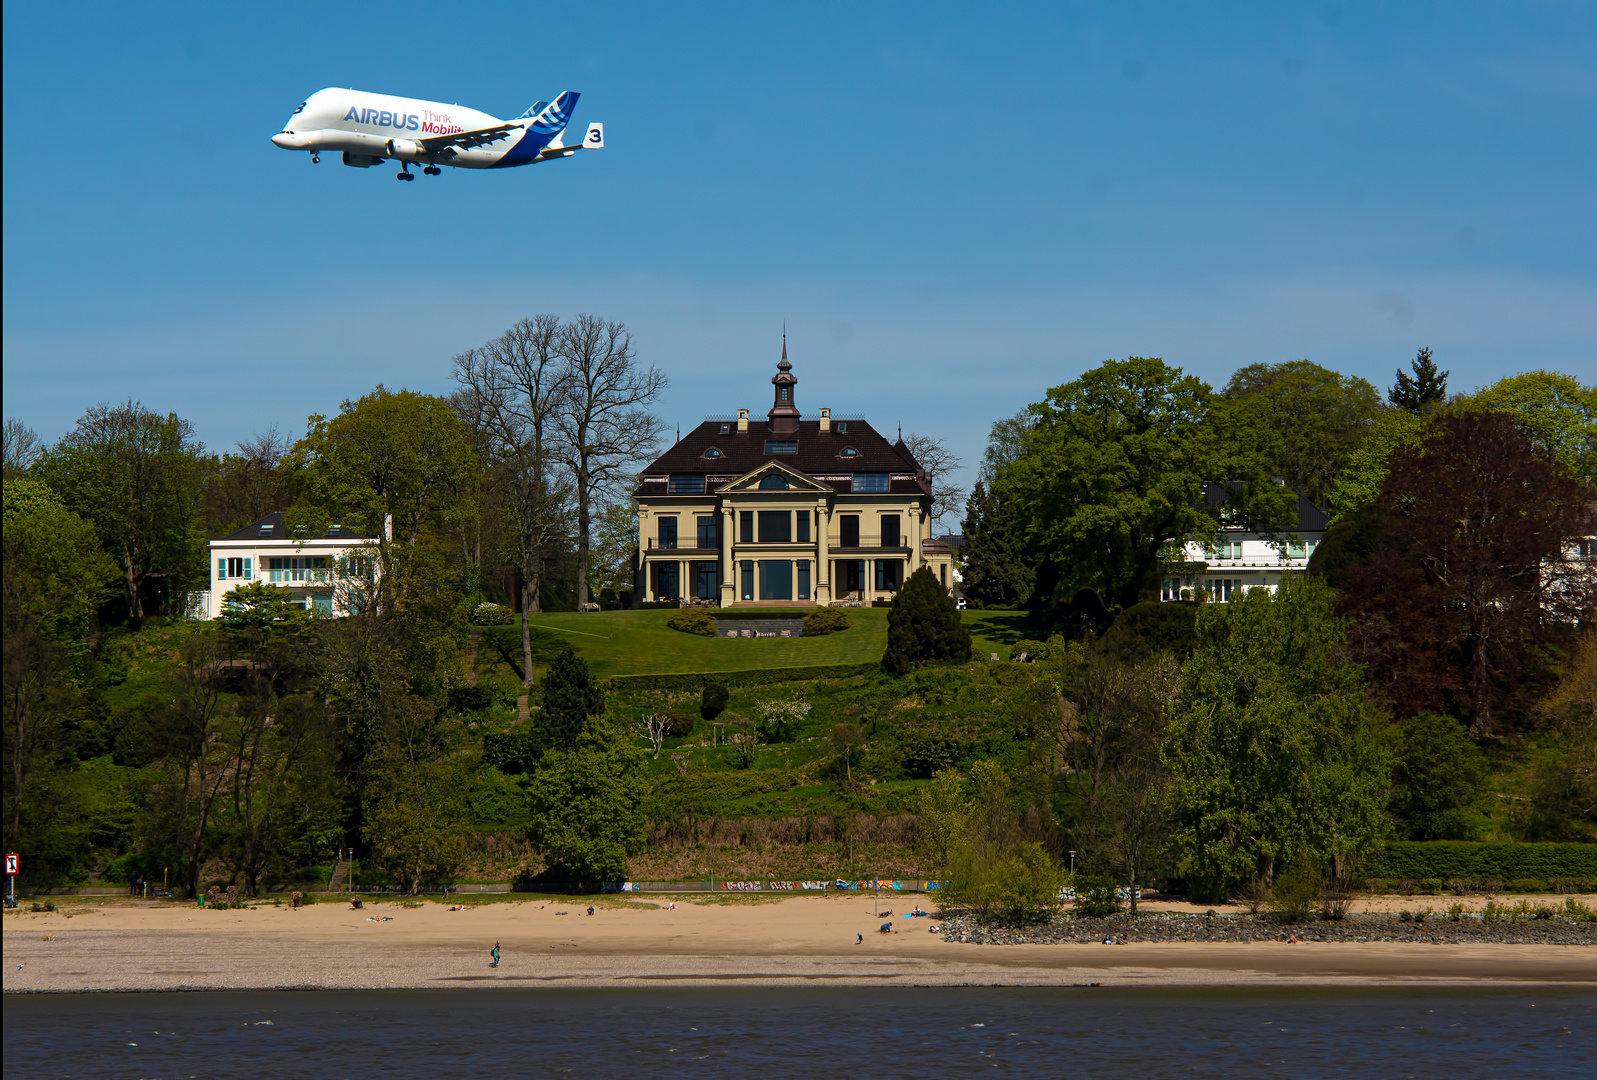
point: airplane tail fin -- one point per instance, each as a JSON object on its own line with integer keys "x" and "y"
{"x": 537, "y": 107}
{"x": 553, "y": 117}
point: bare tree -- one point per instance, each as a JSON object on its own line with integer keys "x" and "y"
{"x": 1006, "y": 442}
{"x": 652, "y": 726}
{"x": 939, "y": 463}
{"x": 604, "y": 421}
{"x": 22, "y": 447}
{"x": 515, "y": 388}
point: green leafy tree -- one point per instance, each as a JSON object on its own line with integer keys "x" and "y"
{"x": 417, "y": 817}
{"x": 1558, "y": 411}
{"x": 942, "y": 811}
{"x": 1358, "y": 485}
{"x": 1427, "y": 386}
{"x": 995, "y": 564}
{"x": 924, "y": 625}
{"x": 135, "y": 475}
{"x": 586, "y": 802}
{"x": 1273, "y": 751}
{"x": 1114, "y": 470}
{"x": 1317, "y": 416}
{"x": 393, "y": 463}
{"x": 570, "y": 696}
{"x": 1439, "y": 775}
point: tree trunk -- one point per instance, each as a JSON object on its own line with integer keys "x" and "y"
{"x": 526, "y": 631}
{"x": 582, "y": 539}
{"x": 131, "y": 585}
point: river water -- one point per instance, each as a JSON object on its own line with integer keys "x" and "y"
{"x": 820, "y": 1032}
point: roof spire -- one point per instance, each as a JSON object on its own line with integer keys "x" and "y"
{"x": 784, "y": 414}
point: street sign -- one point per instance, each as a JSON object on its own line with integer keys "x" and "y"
{"x": 11, "y": 863}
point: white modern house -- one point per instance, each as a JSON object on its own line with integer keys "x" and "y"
{"x": 308, "y": 567}
{"x": 1238, "y": 559}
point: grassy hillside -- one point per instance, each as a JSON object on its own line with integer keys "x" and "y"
{"x": 995, "y": 631}
{"x": 640, "y": 643}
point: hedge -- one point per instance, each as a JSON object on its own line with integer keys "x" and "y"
{"x": 695, "y": 680}
{"x": 1420, "y": 859}
{"x": 757, "y": 613}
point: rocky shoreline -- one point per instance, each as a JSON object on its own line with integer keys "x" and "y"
{"x": 1167, "y": 926}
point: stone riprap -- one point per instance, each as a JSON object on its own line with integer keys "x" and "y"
{"x": 1164, "y": 926}
{"x": 759, "y": 627}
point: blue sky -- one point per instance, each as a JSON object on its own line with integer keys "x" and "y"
{"x": 953, "y": 207}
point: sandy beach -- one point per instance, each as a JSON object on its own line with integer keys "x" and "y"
{"x": 128, "y": 945}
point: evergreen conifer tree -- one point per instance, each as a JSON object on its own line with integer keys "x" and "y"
{"x": 923, "y": 625}
{"x": 570, "y": 696}
{"x": 1423, "y": 387}
{"x": 993, "y": 559}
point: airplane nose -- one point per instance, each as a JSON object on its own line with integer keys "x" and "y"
{"x": 286, "y": 139}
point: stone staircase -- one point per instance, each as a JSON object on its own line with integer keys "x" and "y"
{"x": 339, "y": 882}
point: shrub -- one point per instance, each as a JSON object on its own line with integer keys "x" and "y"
{"x": 692, "y": 621}
{"x": 679, "y": 723}
{"x": 1293, "y": 896}
{"x": 826, "y": 620}
{"x": 1028, "y": 651}
{"x": 1096, "y": 897}
{"x": 924, "y": 625}
{"x": 470, "y": 698}
{"x": 712, "y": 701}
{"x": 750, "y": 677}
{"x": 1527, "y": 885}
{"x": 927, "y": 754}
{"x": 1458, "y": 859}
{"x": 488, "y": 613}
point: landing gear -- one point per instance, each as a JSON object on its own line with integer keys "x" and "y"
{"x": 405, "y": 174}
{"x": 433, "y": 170}
{"x": 316, "y": 159}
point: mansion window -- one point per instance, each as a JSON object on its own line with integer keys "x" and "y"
{"x": 870, "y": 482}
{"x": 776, "y": 579}
{"x": 773, "y": 482}
{"x": 887, "y": 575}
{"x": 707, "y": 537}
{"x": 668, "y": 533}
{"x": 842, "y": 428}
{"x": 849, "y": 451}
{"x": 666, "y": 581}
{"x": 726, "y": 429}
{"x": 746, "y": 579}
{"x": 890, "y": 537}
{"x": 803, "y": 579}
{"x": 802, "y": 533}
{"x": 705, "y": 583}
{"x": 781, "y": 446}
{"x": 746, "y": 527}
{"x": 686, "y": 485}
{"x": 776, "y": 526}
{"x": 712, "y": 452}
{"x": 848, "y": 530}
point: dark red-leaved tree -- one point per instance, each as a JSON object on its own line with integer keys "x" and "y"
{"x": 1468, "y": 596}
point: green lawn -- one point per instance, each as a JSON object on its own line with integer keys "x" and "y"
{"x": 639, "y": 643}
{"x": 995, "y": 631}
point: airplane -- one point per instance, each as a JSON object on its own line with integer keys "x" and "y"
{"x": 370, "y": 129}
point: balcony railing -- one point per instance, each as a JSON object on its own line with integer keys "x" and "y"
{"x": 289, "y": 576}
{"x": 657, "y": 543}
{"x": 865, "y": 541}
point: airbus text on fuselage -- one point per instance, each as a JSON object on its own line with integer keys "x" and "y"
{"x": 369, "y": 129}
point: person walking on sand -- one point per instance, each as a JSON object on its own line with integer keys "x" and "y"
{"x": 494, "y": 952}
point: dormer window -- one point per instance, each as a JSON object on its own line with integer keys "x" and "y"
{"x": 266, "y": 530}
{"x": 849, "y": 451}
{"x": 686, "y": 485}
{"x": 781, "y": 446}
{"x": 842, "y": 427}
{"x": 726, "y": 429}
{"x": 773, "y": 482}
{"x": 712, "y": 452}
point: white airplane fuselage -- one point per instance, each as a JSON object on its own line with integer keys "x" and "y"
{"x": 370, "y": 128}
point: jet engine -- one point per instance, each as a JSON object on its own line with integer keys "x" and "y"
{"x": 360, "y": 161}
{"x": 405, "y": 150}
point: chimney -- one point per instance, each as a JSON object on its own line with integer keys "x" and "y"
{"x": 826, "y": 421}
{"x": 743, "y": 419}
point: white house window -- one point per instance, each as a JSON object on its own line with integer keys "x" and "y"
{"x": 296, "y": 568}
{"x": 1297, "y": 549}
{"x": 233, "y": 568}
{"x": 1220, "y": 590}
{"x": 1226, "y": 549}
{"x": 870, "y": 482}
{"x": 1177, "y": 588}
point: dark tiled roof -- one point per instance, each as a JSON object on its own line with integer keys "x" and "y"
{"x": 270, "y": 527}
{"x": 819, "y": 455}
{"x": 1310, "y": 517}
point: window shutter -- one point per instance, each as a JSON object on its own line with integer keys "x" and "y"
{"x": 221, "y": 569}
{"x": 247, "y": 569}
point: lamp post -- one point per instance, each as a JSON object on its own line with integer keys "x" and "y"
{"x": 1072, "y": 862}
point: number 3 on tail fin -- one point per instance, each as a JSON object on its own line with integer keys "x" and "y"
{"x": 595, "y": 138}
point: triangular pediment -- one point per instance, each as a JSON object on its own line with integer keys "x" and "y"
{"x": 796, "y": 481}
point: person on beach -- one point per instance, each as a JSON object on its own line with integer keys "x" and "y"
{"x": 494, "y": 952}
{"x": 859, "y": 939}
{"x": 590, "y": 911}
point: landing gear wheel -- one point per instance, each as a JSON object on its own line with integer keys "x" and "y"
{"x": 316, "y": 159}
{"x": 433, "y": 170}
{"x": 405, "y": 175}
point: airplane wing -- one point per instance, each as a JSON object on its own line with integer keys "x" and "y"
{"x": 465, "y": 140}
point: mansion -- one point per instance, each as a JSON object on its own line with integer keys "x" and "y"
{"x": 785, "y": 510}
